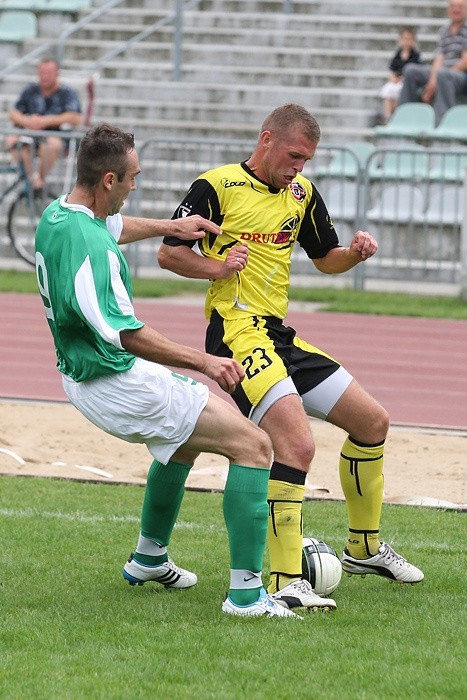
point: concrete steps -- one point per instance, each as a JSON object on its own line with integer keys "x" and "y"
{"x": 240, "y": 59}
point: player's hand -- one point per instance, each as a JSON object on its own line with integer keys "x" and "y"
{"x": 226, "y": 371}
{"x": 236, "y": 261}
{"x": 364, "y": 245}
{"x": 190, "y": 228}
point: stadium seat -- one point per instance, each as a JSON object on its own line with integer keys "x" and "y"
{"x": 47, "y": 5}
{"x": 17, "y": 26}
{"x": 450, "y": 167}
{"x": 400, "y": 164}
{"x": 347, "y": 163}
{"x": 410, "y": 120}
{"x": 398, "y": 203}
{"x": 452, "y": 127}
{"x": 445, "y": 205}
{"x": 342, "y": 198}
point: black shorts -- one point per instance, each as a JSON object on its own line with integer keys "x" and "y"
{"x": 269, "y": 352}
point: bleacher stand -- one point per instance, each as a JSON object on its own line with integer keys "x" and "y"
{"x": 223, "y": 91}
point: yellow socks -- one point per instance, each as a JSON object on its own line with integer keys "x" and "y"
{"x": 285, "y": 532}
{"x": 361, "y": 475}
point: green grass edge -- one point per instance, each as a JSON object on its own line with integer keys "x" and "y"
{"x": 329, "y": 299}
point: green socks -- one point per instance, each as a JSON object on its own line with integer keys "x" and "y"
{"x": 165, "y": 488}
{"x": 246, "y": 518}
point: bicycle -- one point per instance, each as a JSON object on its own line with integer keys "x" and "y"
{"x": 26, "y": 208}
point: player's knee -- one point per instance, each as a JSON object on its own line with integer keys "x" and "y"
{"x": 305, "y": 452}
{"x": 299, "y": 453}
{"x": 255, "y": 449}
{"x": 264, "y": 448}
{"x": 380, "y": 425}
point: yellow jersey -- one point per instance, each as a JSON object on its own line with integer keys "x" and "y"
{"x": 270, "y": 221}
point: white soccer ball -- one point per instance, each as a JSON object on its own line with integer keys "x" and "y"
{"x": 320, "y": 566}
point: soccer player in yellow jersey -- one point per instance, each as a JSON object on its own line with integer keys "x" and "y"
{"x": 264, "y": 206}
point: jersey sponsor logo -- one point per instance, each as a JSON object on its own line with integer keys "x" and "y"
{"x": 225, "y": 182}
{"x": 275, "y": 238}
{"x": 183, "y": 211}
{"x": 290, "y": 224}
{"x": 298, "y": 191}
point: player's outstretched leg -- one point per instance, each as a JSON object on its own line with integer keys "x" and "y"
{"x": 386, "y": 563}
{"x": 162, "y": 499}
{"x": 361, "y": 474}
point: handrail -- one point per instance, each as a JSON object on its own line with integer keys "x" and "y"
{"x": 175, "y": 18}
{"x": 58, "y": 47}
{"x": 98, "y": 12}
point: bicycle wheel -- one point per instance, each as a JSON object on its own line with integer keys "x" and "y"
{"x": 23, "y": 217}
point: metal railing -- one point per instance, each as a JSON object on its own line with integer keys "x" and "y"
{"x": 416, "y": 216}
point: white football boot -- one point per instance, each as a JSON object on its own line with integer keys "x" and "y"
{"x": 386, "y": 563}
{"x": 300, "y": 594}
{"x": 168, "y": 574}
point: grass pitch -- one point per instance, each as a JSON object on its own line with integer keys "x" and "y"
{"x": 71, "y": 627}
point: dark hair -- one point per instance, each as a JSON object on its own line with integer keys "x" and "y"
{"x": 409, "y": 30}
{"x": 285, "y": 118}
{"x": 102, "y": 149}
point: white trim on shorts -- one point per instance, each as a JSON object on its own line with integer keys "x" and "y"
{"x": 317, "y": 402}
{"x": 284, "y": 387}
{"x": 147, "y": 404}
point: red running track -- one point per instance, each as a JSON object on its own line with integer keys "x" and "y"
{"x": 417, "y": 368}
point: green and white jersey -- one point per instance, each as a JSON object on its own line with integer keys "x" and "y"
{"x": 85, "y": 285}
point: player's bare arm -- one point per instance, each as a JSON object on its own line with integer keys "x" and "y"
{"x": 147, "y": 343}
{"x": 186, "y": 262}
{"x": 189, "y": 228}
{"x": 341, "y": 259}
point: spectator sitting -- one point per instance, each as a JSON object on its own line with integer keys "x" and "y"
{"x": 441, "y": 83}
{"x": 407, "y": 53}
{"x": 44, "y": 105}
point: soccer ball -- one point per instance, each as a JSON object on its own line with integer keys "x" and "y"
{"x": 320, "y": 566}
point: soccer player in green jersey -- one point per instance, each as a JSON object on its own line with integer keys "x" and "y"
{"x": 265, "y": 206}
{"x": 112, "y": 372}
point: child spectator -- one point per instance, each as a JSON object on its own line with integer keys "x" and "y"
{"x": 407, "y": 53}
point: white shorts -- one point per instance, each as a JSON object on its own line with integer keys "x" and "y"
{"x": 147, "y": 404}
{"x": 391, "y": 91}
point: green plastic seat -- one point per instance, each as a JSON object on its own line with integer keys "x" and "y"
{"x": 450, "y": 167}
{"x": 398, "y": 203}
{"x": 410, "y": 120}
{"x": 346, "y": 163}
{"x": 47, "y": 5}
{"x": 446, "y": 205}
{"x": 453, "y": 125}
{"x": 401, "y": 165}
{"x": 17, "y": 26}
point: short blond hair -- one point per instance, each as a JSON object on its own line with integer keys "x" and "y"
{"x": 283, "y": 119}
